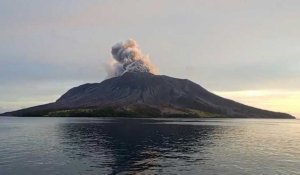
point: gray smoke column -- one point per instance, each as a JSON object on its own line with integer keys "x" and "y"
{"x": 129, "y": 58}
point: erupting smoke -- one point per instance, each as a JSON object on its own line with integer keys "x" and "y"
{"x": 128, "y": 58}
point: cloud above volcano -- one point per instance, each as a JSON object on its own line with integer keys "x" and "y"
{"x": 127, "y": 57}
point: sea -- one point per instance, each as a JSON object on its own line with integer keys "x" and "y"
{"x": 90, "y": 146}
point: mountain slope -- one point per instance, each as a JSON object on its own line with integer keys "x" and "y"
{"x": 145, "y": 95}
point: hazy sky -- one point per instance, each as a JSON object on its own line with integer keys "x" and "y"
{"x": 248, "y": 50}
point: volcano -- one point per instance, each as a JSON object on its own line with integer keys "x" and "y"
{"x": 141, "y": 94}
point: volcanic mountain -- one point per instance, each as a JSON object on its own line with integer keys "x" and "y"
{"x": 138, "y": 94}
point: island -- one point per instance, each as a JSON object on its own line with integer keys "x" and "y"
{"x": 143, "y": 94}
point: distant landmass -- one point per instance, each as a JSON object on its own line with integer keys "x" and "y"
{"x": 143, "y": 94}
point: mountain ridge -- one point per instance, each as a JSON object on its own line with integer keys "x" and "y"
{"x": 139, "y": 94}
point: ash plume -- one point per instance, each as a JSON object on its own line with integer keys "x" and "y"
{"x": 127, "y": 57}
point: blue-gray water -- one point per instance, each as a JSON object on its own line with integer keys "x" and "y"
{"x": 148, "y": 146}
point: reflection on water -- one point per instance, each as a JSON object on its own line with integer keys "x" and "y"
{"x": 136, "y": 145}
{"x": 148, "y": 146}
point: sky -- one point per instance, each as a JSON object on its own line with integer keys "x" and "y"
{"x": 246, "y": 50}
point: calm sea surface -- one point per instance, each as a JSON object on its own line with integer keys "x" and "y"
{"x": 86, "y": 146}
